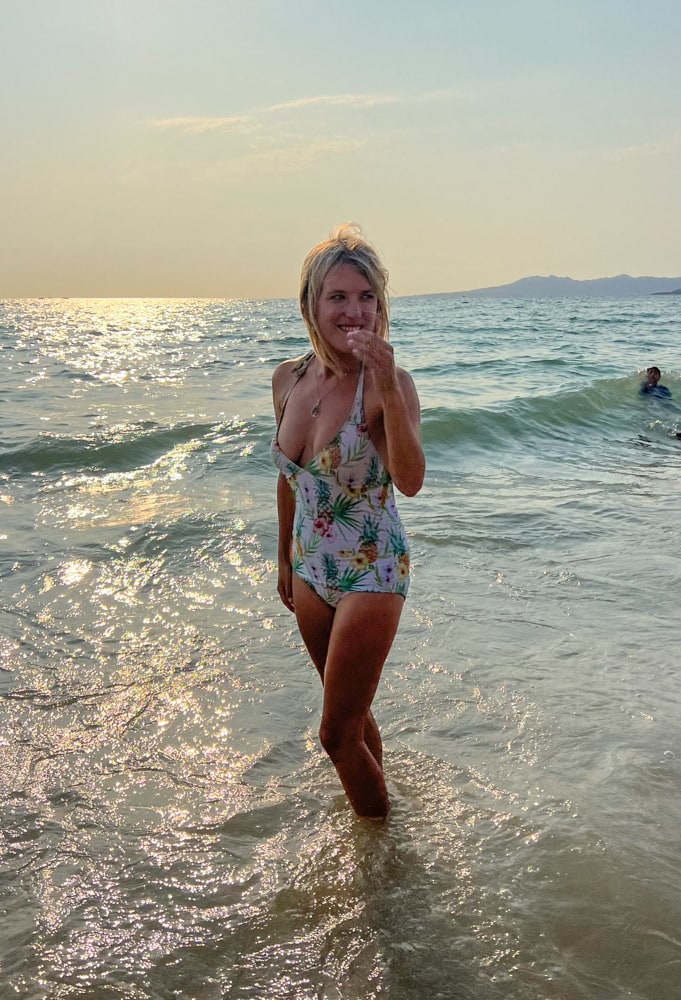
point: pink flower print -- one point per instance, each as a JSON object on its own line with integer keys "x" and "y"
{"x": 322, "y": 525}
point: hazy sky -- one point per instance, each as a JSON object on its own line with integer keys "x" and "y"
{"x": 200, "y": 147}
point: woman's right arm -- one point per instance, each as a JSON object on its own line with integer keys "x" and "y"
{"x": 286, "y": 505}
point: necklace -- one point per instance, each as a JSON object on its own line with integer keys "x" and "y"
{"x": 314, "y": 412}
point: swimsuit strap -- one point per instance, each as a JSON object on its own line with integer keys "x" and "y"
{"x": 357, "y": 411}
{"x": 298, "y": 370}
{"x": 302, "y": 366}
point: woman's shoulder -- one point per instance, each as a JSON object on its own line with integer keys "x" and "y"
{"x": 282, "y": 372}
{"x": 404, "y": 377}
{"x": 405, "y": 384}
{"x": 285, "y": 377}
{"x": 296, "y": 366}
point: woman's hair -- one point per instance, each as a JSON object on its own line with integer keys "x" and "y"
{"x": 346, "y": 245}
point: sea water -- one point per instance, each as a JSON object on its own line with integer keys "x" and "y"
{"x": 170, "y": 827}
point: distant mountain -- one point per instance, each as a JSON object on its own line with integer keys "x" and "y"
{"x": 552, "y": 287}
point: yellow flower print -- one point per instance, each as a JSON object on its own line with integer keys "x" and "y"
{"x": 329, "y": 458}
{"x": 324, "y": 461}
{"x": 358, "y": 560}
{"x": 403, "y": 567}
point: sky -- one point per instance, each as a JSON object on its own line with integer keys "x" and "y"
{"x": 201, "y": 147}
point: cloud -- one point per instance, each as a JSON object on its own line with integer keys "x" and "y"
{"x": 254, "y": 121}
{"x": 644, "y": 149}
{"x": 337, "y": 100}
{"x": 373, "y": 100}
{"x": 296, "y": 157}
{"x": 285, "y": 159}
{"x": 236, "y": 123}
{"x": 249, "y": 122}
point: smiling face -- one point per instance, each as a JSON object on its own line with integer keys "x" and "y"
{"x": 347, "y": 302}
{"x": 323, "y": 294}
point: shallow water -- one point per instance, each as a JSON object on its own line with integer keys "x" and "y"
{"x": 170, "y": 826}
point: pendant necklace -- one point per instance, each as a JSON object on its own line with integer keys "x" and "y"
{"x": 314, "y": 412}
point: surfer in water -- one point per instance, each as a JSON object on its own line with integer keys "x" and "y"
{"x": 651, "y": 387}
{"x": 348, "y": 428}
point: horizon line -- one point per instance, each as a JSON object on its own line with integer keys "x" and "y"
{"x": 285, "y": 298}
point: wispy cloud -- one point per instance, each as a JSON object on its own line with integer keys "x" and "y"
{"x": 254, "y": 120}
{"x": 284, "y": 159}
{"x": 235, "y": 123}
{"x": 294, "y": 155}
{"x": 250, "y": 122}
{"x": 644, "y": 149}
{"x": 374, "y": 100}
{"x": 337, "y": 100}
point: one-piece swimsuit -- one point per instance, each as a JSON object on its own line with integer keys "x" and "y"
{"x": 347, "y": 534}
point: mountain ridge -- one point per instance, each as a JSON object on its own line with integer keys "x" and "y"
{"x": 553, "y": 286}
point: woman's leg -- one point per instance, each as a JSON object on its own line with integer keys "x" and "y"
{"x": 361, "y": 636}
{"x": 315, "y": 618}
{"x": 315, "y": 621}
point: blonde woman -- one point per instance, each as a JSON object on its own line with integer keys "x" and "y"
{"x": 348, "y": 427}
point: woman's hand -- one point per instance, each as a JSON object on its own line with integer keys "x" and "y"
{"x": 398, "y": 436}
{"x": 377, "y": 356}
{"x": 285, "y": 586}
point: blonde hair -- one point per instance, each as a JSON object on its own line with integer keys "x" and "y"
{"x": 346, "y": 245}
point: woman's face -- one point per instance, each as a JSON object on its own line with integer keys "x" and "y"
{"x": 347, "y": 302}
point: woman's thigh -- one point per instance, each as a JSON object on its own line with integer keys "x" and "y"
{"x": 315, "y": 620}
{"x": 362, "y": 633}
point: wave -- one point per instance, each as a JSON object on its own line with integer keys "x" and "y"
{"x": 131, "y": 448}
{"x": 605, "y": 407}
{"x": 609, "y": 407}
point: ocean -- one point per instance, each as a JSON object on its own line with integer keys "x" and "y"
{"x": 170, "y": 827}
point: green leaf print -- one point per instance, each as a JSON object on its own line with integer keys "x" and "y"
{"x": 397, "y": 543}
{"x": 341, "y": 512}
{"x": 312, "y": 545}
{"x": 330, "y": 569}
{"x": 349, "y": 579}
{"x": 371, "y": 478}
{"x": 356, "y": 454}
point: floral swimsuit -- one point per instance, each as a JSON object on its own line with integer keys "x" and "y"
{"x": 347, "y": 534}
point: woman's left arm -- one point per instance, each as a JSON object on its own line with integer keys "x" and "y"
{"x": 402, "y": 428}
{"x": 401, "y": 412}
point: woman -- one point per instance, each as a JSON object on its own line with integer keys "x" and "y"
{"x": 348, "y": 427}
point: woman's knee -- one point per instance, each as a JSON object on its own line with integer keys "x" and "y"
{"x": 337, "y": 736}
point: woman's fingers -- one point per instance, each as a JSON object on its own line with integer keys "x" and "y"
{"x": 285, "y": 591}
{"x": 376, "y": 354}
